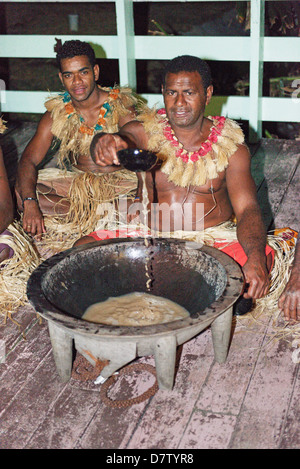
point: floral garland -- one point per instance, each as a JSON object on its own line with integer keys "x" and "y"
{"x": 104, "y": 110}
{"x": 206, "y": 147}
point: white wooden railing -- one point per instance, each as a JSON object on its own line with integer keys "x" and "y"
{"x": 127, "y": 48}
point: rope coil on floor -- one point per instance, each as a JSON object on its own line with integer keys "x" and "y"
{"x": 83, "y": 370}
{"x": 135, "y": 400}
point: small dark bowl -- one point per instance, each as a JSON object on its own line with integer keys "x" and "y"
{"x": 137, "y": 160}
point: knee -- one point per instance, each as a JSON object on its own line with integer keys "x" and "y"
{"x": 6, "y": 253}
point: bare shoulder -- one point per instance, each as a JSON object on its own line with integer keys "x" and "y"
{"x": 45, "y": 123}
{"x": 43, "y": 135}
{"x": 242, "y": 152}
{"x": 240, "y": 160}
{"x": 41, "y": 141}
{"x": 240, "y": 183}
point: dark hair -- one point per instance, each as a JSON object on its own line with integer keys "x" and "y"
{"x": 189, "y": 63}
{"x": 73, "y": 48}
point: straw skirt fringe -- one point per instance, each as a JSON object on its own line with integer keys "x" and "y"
{"x": 15, "y": 272}
{"x": 93, "y": 200}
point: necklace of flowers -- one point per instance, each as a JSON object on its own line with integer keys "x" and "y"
{"x": 101, "y": 121}
{"x": 206, "y": 147}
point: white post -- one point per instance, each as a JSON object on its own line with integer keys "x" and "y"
{"x": 125, "y": 29}
{"x": 256, "y": 68}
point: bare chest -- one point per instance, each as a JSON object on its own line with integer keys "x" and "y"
{"x": 158, "y": 184}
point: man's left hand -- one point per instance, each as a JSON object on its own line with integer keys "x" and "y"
{"x": 257, "y": 276}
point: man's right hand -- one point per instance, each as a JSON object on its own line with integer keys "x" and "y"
{"x": 33, "y": 221}
{"x": 104, "y": 149}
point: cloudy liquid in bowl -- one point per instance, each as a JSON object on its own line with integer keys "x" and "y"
{"x": 135, "y": 309}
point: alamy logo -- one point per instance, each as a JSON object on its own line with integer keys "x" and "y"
{"x": 162, "y": 217}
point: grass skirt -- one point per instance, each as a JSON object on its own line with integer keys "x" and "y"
{"x": 15, "y": 271}
{"x": 93, "y": 200}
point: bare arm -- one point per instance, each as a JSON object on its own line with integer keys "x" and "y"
{"x": 104, "y": 147}
{"x": 27, "y": 175}
{"x": 251, "y": 231}
{"x": 33, "y": 154}
{"x": 6, "y": 202}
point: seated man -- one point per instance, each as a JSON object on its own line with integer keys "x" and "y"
{"x": 73, "y": 118}
{"x": 6, "y": 206}
{"x": 203, "y": 162}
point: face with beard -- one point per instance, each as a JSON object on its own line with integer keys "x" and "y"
{"x": 79, "y": 77}
{"x": 185, "y": 98}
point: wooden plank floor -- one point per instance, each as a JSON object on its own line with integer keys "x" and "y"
{"x": 251, "y": 401}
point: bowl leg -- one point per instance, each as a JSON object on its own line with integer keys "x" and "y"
{"x": 221, "y": 331}
{"x": 165, "y": 356}
{"x": 62, "y": 348}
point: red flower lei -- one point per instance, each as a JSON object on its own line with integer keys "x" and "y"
{"x": 206, "y": 146}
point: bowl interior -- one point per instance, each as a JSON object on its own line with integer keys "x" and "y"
{"x": 186, "y": 275}
{"x": 137, "y": 160}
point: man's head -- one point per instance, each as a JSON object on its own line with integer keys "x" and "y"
{"x": 189, "y": 63}
{"x": 78, "y": 69}
{"x": 187, "y": 90}
{"x": 74, "y": 48}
